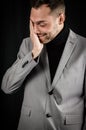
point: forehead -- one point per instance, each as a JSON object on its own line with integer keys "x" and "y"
{"x": 41, "y": 13}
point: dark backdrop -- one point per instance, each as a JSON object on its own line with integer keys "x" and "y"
{"x": 14, "y": 27}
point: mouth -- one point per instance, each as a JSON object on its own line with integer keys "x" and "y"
{"x": 41, "y": 35}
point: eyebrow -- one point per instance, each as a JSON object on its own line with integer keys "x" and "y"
{"x": 39, "y": 22}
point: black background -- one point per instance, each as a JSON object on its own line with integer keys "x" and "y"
{"x": 15, "y": 27}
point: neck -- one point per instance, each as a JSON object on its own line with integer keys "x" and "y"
{"x": 59, "y": 30}
{"x": 60, "y": 38}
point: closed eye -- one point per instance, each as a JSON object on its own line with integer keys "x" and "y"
{"x": 43, "y": 24}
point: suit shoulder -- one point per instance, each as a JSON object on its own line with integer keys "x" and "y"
{"x": 81, "y": 39}
{"x": 25, "y": 47}
{"x": 26, "y": 40}
{"x": 26, "y": 43}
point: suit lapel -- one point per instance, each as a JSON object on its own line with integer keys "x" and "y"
{"x": 45, "y": 64}
{"x": 69, "y": 48}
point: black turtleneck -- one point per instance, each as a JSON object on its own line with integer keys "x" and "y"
{"x": 55, "y": 49}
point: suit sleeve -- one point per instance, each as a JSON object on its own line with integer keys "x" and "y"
{"x": 16, "y": 74}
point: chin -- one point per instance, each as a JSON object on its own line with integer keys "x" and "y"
{"x": 44, "y": 41}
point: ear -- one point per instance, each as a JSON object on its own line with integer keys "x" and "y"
{"x": 61, "y": 18}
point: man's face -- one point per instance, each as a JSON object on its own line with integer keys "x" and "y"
{"x": 45, "y": 24}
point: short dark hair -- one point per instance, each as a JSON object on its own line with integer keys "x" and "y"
{"x": 52, "y": 4}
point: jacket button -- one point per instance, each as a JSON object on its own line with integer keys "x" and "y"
{"x": 25, "y": 64}
{"x": 48, "y": 115}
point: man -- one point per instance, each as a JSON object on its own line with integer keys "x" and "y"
{"x": 51, "y": 66}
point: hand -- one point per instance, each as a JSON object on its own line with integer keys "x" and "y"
{"x": 37, "y": 46}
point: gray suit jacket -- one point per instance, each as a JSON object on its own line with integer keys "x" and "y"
{"x": 46, "y": 106}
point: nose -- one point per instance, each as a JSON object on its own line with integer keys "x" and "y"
{"x": 36, "y": 29}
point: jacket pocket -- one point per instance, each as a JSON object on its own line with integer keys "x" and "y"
{"x": 72, "y": 119}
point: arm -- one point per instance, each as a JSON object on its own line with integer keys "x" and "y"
{"x": 16, "y": 74}
{"x": 25, "y": 62}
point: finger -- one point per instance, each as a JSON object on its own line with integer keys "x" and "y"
{"x": 31, "y": 26}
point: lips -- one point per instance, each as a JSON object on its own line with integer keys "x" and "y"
{"x": 41, "y": 35}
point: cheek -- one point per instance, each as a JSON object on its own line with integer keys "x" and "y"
{"x": 50, "y": 28}
{"x": 47, "y": 29}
